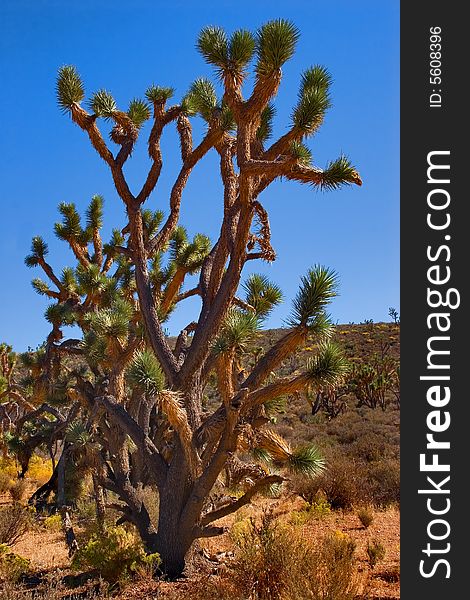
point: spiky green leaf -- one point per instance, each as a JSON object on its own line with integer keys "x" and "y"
{"x": 339, "y": 172}
{"x": 69, "y": 87}
{"x": 103, "y": 104}
{"x": 158, "y": 94}
{"x": 203, "y": 98}
{"x": 145, "y": 373}
{"x": 39, "y": 250}
{"x": 241, "y": 49}
{"x": 94, "y": 213}
{"x": 316, "y": 77}
{"x": 301, "y": 153}
{"x": 139, "y": 112}
{"x": 265, "y": 128}
{"x": 318, "y": 287}
{"x": 71, "y": 225}
{"x": 212, "y": 44}
{"x": 60, "y": 314}
{"x": 262, "y": 294}
{"x": 310, "y": 110}
{"x": 68, "y": 279}
{"x": 238, "y": 330}
{"x": 306, "y": 460}
{"x": 328, "y": 366}
{"x": 78, "y": 434}
{"x": 40, "y": 286}
{"x": 275, "y": 44}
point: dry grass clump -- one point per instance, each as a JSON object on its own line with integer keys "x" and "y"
{"x": 366, "y": 516}
{"x": 375, "y": 552}
{"x": 18, "y": 490}
{"x": 14, "y": 523}
{"x": 5, "y": 483}
{"x": 275, "y": 562}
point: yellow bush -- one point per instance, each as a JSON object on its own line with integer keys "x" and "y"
{"x": 12, "y": 565}
{"x": 8, "y": 467}
{"x": 40, "y": 469}
{"x": 315, "y": 510}
{"x": 240, "y": 529}
{"x": 53, "y": 523}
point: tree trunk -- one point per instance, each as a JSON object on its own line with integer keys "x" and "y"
{"x": 172, "y": 542}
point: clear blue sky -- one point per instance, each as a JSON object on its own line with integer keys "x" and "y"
{"x": 125, "y": 46}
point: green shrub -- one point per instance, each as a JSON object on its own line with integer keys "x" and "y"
{"x": 116, "y": 555}
{"x": 375, "y": 552}
{"x": 12, "y": 565}
{"x": 316, "y": 510}
{"x": 53, "y": 523}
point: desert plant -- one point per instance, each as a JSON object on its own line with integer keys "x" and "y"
{"x": 142, "y": 397}
{"x": 375, "y": 552}
{"x": 5, "y": 483}
{"x": 366, "y": 516}
{"x": 316, "y": 510}
{"x": 116, "y": 554}
{"x": 14, "y": 523}
{"x": 12, "y": 565}
{"x": 53, "y": 523}
{"x": 275, "y": 561}
{"x": 375, "y": 380}
{"x": 18, "y": 490}
{"x": 342, "y": 482}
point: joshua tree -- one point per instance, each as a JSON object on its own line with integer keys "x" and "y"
{"x": 142, "y": 398}
{"x": 393, "y": 313}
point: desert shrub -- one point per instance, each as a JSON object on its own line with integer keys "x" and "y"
{"x": 274, "y": 561}
{"x": 383, "y": 482}
{"x": 342, "y": 482}
{"x": 331, "y": 570}
{"x": 265, "y": 557}
{"x": 371, "y": 447}
{"x": 12, "y": 565}
{"x": 40, "y": 469}
{"x": 366, "y": 516}
{"x": 8, "y": 466}
{"x": 5, "y": 483}
{"x": 306, "y": 487}
{"x": 316, "y": 510}
{"x": 116, "y": 555}
{"x": 53, "y": 523}
{"x": 18, "y": 490}
{"x": 14, "y": 523}
{"x": 375, "y": 552}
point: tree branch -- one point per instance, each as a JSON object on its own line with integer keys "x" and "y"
{"x": 228, "y": 509}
